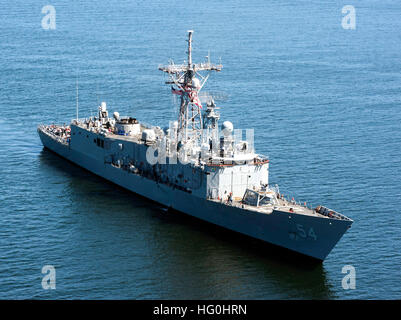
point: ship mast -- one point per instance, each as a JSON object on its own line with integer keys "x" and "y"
{"x": 187, "y": 81}
{"x": 77, "y": 102}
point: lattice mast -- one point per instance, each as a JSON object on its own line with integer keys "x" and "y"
{"x": 189, "y": 81}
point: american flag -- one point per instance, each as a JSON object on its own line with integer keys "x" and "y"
{"x": 196, "y": 101}
{"x": 176, "y": 91}
{"x": 193, "y": 96}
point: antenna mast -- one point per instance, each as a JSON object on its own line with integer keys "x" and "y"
{"x": 77, "y": 98}
{"x": 190, "y": 48}
{"x": 188, "y": 81}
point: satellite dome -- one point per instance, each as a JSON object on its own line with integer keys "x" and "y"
{"x": 196, "y": 83}
{"x": 227, "y": 127}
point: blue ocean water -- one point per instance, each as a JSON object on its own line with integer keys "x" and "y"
{"x": 324, "y": 103}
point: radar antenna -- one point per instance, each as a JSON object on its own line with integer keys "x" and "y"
{"x": 77, "y": 98}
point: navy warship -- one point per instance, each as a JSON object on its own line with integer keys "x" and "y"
{"x": 196, "y": 166}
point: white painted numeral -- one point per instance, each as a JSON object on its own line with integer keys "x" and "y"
{"x": 312, "y": 234}
{"x": 301, "y": 230}
{"x": 302, "y": 233}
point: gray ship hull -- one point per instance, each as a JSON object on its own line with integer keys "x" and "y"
{"x": 291, "y": 231}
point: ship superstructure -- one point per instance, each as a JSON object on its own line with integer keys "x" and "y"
{"x": 197, "y": 166}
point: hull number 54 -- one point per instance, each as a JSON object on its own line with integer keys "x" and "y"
{"x": 304, "y": 233}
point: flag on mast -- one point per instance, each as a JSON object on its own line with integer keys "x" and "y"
{"x": 176, "y": 91}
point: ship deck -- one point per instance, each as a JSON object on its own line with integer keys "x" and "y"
{"x": 133, "y": 138}
{"x": 283, "y": 206}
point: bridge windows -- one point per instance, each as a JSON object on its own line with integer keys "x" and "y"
{"x": 254, "y": 198}
{"x": 264, "y": 201}
{"x": 251, "y": 198}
